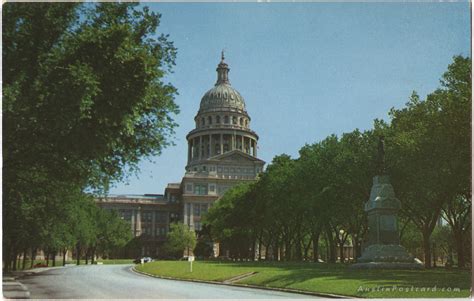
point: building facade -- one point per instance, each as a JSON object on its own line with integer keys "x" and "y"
{"x": 222, "y": 152}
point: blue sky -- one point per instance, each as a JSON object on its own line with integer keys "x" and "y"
{"x": 306, "y": 70}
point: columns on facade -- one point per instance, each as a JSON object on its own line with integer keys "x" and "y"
{"x": 200, "y": 148}
{"x": 189, "y": 149}
{"x": 255, "y": 148}
{"x": 191, "y": 216}
{"x": 134, "y": 228}
{"x": 139, "y": 221}
{"x": 210, "y": 145}
{"x": 222, "y": 143}
{"x": 242, "y": 144}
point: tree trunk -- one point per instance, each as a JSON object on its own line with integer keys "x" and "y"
{"x": 47, "y": 258}
{"x": 78, "y": 254}
{"x": 14, "y": 260}
{"x": 287, "y": 250}
{"x": 6, "y": 258}
{"x": 33, "y": 257}
{"x": 427, "y": 248}
{"x": 259, "y": 250}
{"x": 331, "y": 245}
{"x": 341, "y": 251}
{"x": 298, "y": 251}
{"x": 315, "y": 238}
{"x": 23, "y": 264}
{"x": 92, "y": 255}
{"x": 64, "y": 256}
{"x": 275, "y": 250}
{"x": 460, "y": 248}
{"x": 252, "y": 250}
{"x": 54, "y": 258}
{"x": 306, "y": 249}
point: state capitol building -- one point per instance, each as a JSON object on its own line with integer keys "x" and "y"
{"x": 222, "y": 152}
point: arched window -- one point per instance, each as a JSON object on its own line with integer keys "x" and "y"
{"x": 234, "y": 120}
{"x": 226, "y": 119}
{"x": 209, "y": 120}
{"x": 218, "y": 119}
{"x": 203, "y": 121}
{"x": 241, "y": 121}
{"x": 246, "y": 122}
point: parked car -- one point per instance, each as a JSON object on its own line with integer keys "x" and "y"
{"x": 145, "y": 260}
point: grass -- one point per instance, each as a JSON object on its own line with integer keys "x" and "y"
{"x": 116, "y": 261}
{"x": 325, "y": 278}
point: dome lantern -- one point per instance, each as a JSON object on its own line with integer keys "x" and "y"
{"x": 222, "y": 72}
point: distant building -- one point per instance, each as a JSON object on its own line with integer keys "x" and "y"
{"x": 222, "y": 152}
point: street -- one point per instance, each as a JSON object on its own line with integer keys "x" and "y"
{"x": 119, "y": 282}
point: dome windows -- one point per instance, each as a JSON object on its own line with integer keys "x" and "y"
{"x": 209, "y": 120}
{"x": 226, "y": 119}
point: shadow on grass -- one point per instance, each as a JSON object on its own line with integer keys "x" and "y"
{"x": 278, "y": 274}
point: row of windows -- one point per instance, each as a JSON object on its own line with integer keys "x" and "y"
{"x": 159, "y": 231}
{"x": 227, "y": 169}
{"x": 200, "y": 189}
{"x": 242, "y": 121}
{"x": 145, "y": 216}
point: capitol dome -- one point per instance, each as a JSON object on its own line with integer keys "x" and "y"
{"x": 222, "y": 97}
{"x": 222, "y": 124}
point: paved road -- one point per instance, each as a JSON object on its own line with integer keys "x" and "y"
{"x": 118, "y": 281}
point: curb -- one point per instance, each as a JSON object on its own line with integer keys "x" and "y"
{"x": 286, "y": 290}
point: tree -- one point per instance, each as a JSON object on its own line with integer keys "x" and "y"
{"x": 83, "y": 103}
{"x": 231, "y": 221}
{"x": 429, "y": 151}
{"x": 112, "y": 232}
{"x": 180, "y": 239}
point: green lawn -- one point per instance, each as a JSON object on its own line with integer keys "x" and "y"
{"x": 325, "y": 278}
{"x": 116, "y": 261}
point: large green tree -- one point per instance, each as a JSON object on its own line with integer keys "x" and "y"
{"x": 429, "y": 155}
{"x": 83, "y": 101}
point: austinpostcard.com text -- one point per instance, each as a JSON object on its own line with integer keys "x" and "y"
{"x": 407, "y": 289}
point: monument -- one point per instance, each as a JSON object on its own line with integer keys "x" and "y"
{"x": 383, "y": 249}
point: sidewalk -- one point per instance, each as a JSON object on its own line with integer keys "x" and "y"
{"x": 13, "y": 288}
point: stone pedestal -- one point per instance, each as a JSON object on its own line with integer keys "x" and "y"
{"x": 383, "y": 249}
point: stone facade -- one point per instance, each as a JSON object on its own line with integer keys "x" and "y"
{"x": 222, "y": 152}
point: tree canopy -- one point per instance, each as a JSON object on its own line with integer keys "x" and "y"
{"x": 84, "y": 100}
